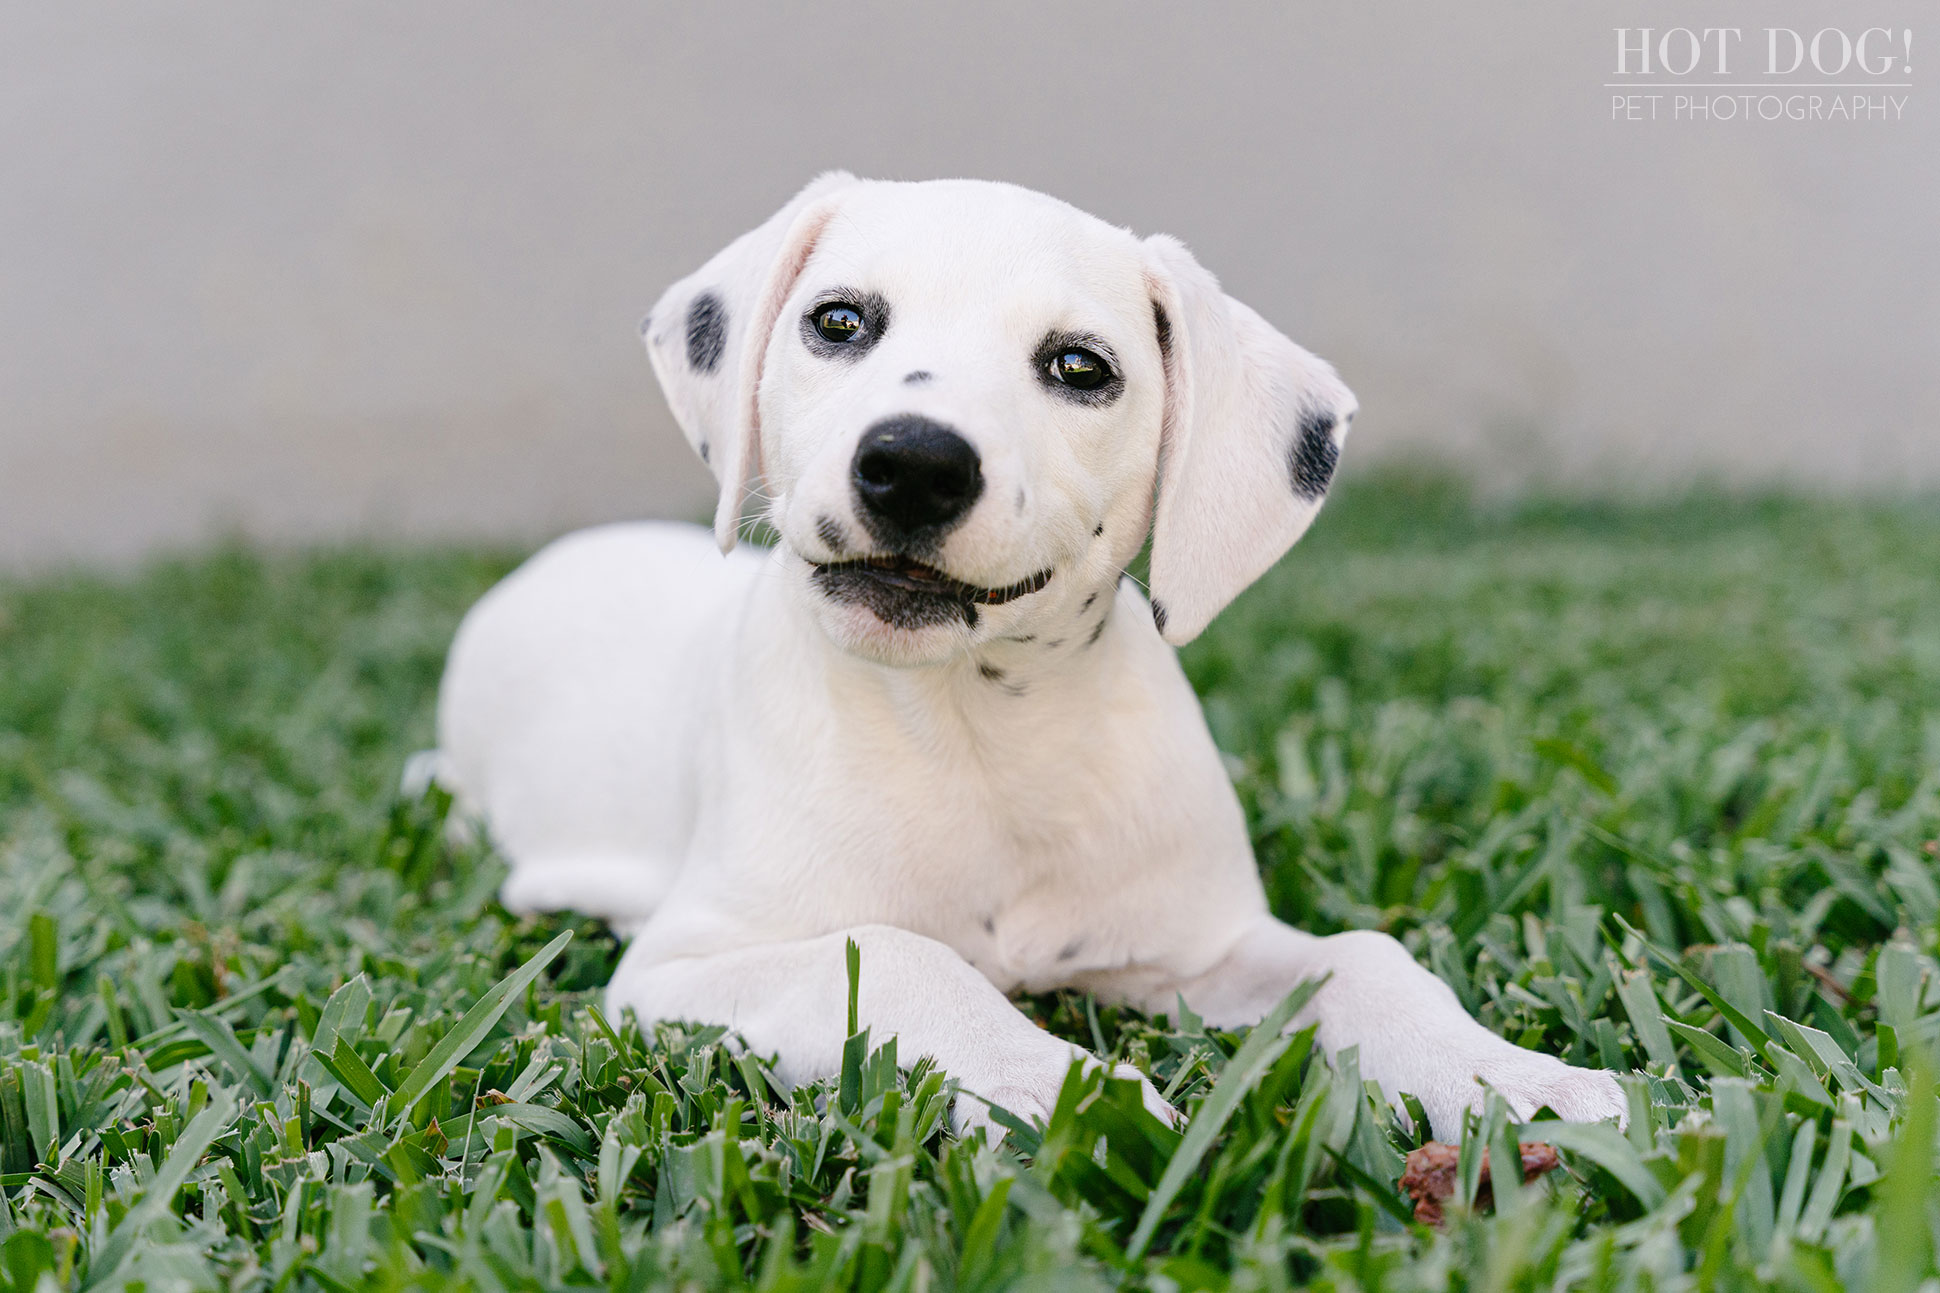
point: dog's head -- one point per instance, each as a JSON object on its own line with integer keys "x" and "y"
{"x": 965, "y": 403}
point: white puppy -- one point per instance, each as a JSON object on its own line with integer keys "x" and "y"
{"x": 935, "y": 718}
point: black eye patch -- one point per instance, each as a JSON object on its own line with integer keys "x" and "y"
{"x": 1079, "y": 367}
{"x": 842, "y": 323}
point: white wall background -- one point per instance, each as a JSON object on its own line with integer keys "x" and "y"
{"x": 311, "y": 271}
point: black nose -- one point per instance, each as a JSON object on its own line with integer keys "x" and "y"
{"x": 913, "y": 474}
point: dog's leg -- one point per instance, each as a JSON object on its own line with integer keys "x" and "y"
{"x": 791, "y": 1000}
{"x": 1413, "y": 1035}
{"x": 619, "y": 889}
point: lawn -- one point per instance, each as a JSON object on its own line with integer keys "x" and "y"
{"x": 1654, "y": 787}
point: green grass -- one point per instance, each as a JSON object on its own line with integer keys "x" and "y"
{"x": 1655, "y": 788}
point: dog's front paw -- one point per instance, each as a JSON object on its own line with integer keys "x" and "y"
{"x": 1526, "y": 1081}
{"x": 1029, "y": 1091}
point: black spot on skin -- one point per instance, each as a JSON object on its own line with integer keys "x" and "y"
{"x": 704, "y": 451}
{"x": 1071, "y": 949}
{"x": 1314, "y": 455}
{"x": 1158, "y": 615}
{"x": 1027, "y": 637}
{"x": 829, "y": 531}
{"x": 1097, "y": 632}
{"x": 1054, "y": 644}
{"x": 707, "y": 322}
{"x": 1020, "y": 498}
{"x": 991, "y": 673}
{"x": 1087, "y": 604}
{"x": 1099, "y": 532}
{"x": 989, "y": 924}
{"x": 918, "y": 377}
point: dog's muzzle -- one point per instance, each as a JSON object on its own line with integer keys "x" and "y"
{"x": 906, "y": 594}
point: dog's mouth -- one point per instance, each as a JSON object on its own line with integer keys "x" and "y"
{"x": 906, "y": 594}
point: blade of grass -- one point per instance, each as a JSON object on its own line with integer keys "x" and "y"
{"x": 221, "y": 1040}
{"x": 182, "y": 1159}
{"x": 1605, "y": 1146}
{"x": 1905, "y": 1236}
{"x": 472, "y": 1029}
{"x": 1254, "y": 1057}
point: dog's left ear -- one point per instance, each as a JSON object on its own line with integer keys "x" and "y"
{"x": 1252, "y": 432}
{"x": 708, "y": 333}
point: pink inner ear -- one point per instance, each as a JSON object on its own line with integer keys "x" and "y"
{"x": 746, "y": 467}
{"x": 1168, "y": 319}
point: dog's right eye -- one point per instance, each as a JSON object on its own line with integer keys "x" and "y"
{"x": 839, "y": 323}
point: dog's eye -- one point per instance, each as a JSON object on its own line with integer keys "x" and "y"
{"x": 1080, "y": 369}
{"x": 839, "y": 323}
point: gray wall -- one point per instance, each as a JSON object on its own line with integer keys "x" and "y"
{"x": 308, "y": 271}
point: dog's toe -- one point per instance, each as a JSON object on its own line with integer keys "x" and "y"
{"x": 1030, "y": 1096}
{"x": 1580, "y": 1095}
{"x": 970, "y": 1113}
{"x": 1155, "y": 1104}
{"x": 1526, "y": 1080}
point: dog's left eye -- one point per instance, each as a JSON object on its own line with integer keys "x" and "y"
{"x": 1080, "y": 369}
{"x": 839, "y": 323}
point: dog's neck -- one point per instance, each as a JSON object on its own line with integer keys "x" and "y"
{"x": 1071, "y": 647}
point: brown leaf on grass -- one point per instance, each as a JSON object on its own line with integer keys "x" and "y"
{"x": 1430, "y": 1176}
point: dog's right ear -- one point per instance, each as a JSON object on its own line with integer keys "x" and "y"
{"x": 708, "y": 333}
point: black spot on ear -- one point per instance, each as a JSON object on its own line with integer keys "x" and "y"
{"x": 1022, "y": 637}
{"x": 1087, "y": 604}
{"x": 1164, "y": 326}
{"x": 918, "y": 377}
{"x": 707, "y": 322}
{"x": 1054, "y": 644}
{"x": 989, "y": 924}
{"x": 991, "y": 672}
{"x": 1097, "y": 631}
{"x": 1314, "y": 455}
{"x": 704, "y": 451}
{"x": 646, "y": 324}
{"x": 1071, "y": 949}
{"x": 830, "y": 532}
{"x": 1158, "y": 615}
{"x": 1099, "y": 531}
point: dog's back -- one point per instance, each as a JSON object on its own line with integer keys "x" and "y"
{"x": 556, "y": 723}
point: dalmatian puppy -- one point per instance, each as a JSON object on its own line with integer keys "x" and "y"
{"x": 936, "y": 718}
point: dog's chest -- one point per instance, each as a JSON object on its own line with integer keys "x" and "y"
{"x": 1017, "y": 875}
{"x": 1041, "y": 834}
{"x": 1013, "y": 846}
